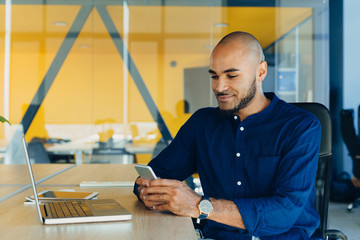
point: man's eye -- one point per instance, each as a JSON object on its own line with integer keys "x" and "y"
{"x": 214, "y": 77}
{"x": 232, "y": 76}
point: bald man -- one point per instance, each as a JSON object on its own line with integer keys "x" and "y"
{"x": 255, "y": 154}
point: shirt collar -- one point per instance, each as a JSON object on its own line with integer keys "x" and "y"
{"x": 266, "y": 113}
{"x": 260, "y": 115}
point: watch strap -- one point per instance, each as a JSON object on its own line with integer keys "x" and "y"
{"x": 203, "y": 216}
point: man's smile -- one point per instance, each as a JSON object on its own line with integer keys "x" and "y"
{"x": 224, "y": 97}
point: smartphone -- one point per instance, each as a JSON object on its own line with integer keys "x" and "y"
{"x": 145, "y": 171}
{"x": 52, "y": 195}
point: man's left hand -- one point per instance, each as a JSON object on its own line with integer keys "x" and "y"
{"x": 175, "y": 196}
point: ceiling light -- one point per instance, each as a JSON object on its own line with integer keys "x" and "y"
{"x": 60, "y": 24}
{"x": 221, "y": 25}
{"x": 84, "y": 46}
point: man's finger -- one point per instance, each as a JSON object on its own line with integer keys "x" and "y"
{"x": 151, "y": 204}
{"x": 142, "y": 182}
{"x": 157, "y": 190}
{"x": 140, "y": 190}
{"x": 162, "y": 207}
{"x": 156, "y": 198}
{"x": 165, "y": 183}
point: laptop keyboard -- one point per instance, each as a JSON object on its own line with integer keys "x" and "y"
{"x": 69, "y": 209}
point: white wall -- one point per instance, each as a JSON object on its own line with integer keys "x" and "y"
{"x": 351, "y": 64}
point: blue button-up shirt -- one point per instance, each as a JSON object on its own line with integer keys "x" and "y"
{"x": 266, "y": 164}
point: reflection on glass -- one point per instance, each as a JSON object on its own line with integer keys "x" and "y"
{"x": 94, "y": 103}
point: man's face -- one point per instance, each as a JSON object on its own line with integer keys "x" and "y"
{"x": 233, "y": 73}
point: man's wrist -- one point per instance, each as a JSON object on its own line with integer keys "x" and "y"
{"x": 197, "y": 212}
{"x": 205, "y": 207}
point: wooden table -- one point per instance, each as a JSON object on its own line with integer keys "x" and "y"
{"x": 19, "y": 221}
{"x": 95, "y": 172}
{"x": 6, "y": 190}
{"x": 15, "y": 178}
{"x": 18, "y": 173}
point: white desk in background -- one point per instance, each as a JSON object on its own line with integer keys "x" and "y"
{"x": 139, "y": 148}
{"x": 82, "y": 150}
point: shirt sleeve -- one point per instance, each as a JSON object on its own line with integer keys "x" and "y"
{"x": 177, "y": 161}
{"x": 135, "y": 190}
{"x": 294, "y": 183}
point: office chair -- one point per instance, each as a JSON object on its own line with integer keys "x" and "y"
{"x": 37, "y": 152}
{"x": 359, "y": 119}
{"x": 111, "y": 155}
{"x": 324, "y": 168}
{"x": 352, "y": 143}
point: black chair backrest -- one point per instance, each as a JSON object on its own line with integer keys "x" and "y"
{"x": 359, "y": 120}
{"x": 348, "y": 131}
{"x": 350, "y": 138}
{"x": 324, "y": 162}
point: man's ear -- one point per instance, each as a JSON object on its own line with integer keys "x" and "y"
{"x": 261, "y": 71}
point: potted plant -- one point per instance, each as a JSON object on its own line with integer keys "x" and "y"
{"x": 2, "y": 119}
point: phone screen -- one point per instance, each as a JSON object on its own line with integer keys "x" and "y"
{"x": 63, "y": 194}
{"x": 48, "y": 195}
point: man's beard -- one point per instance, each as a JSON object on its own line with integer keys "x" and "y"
{"x": 243, "y": 102}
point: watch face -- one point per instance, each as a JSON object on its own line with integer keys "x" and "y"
{"x": 205, "y": 206}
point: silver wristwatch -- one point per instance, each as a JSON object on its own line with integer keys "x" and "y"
{"x": 205, "y": 207}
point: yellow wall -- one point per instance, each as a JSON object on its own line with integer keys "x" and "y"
{"x": 2, "y": 43}
{"x": 89, "y": 85}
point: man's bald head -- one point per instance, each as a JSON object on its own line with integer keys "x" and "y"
{"x": 244, "y": 38}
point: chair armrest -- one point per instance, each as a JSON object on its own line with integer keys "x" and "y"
{"x": 332, "y": 234}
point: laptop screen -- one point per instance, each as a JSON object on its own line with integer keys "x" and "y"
{"x": 24, "y": 144}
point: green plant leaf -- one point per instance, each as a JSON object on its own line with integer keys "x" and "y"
{"x": 2, "y": 119}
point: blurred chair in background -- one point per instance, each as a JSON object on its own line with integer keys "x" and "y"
{"x": 352, "y": 143}
{"x": 37, "y": 152}
{"x": 111, "y": 155}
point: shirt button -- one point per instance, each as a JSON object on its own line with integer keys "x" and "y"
{"x": 238, "y": 183}
{"x": 235, "y": 117}
{"x": 238, "y": 154}
{"x": 241, "y": 128}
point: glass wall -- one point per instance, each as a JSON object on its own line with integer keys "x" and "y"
{"x": 113, "y": 81}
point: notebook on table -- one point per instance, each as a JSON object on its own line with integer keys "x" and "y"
{"x": 75, "y": 211}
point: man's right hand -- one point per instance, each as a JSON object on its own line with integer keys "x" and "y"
{"x": 144, "y": 183}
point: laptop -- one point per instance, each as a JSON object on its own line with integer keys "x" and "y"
{"x": 75, "y": 211}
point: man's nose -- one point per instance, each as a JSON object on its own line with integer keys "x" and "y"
{"x": 221, "y": 85}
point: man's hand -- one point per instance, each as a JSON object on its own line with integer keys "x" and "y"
{"x": 355, "y": 181}
{"x": 177, "y": 197}
{"x": 144, "y": 183}
{"x": 169, "y": 195}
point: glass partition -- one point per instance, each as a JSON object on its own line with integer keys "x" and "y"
{"x": 113, "y": 81}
